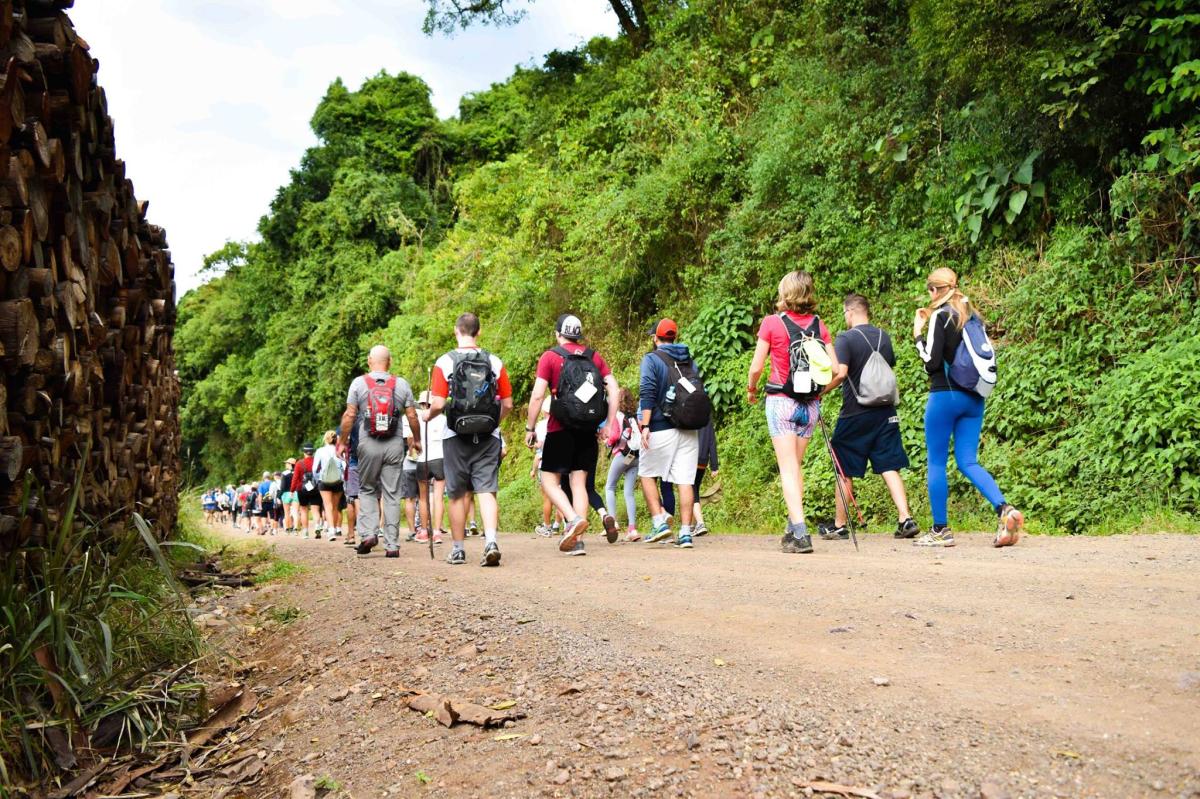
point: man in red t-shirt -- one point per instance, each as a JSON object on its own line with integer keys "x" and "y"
{"x": 308, "y": 495}
{"x": 471, "y": 461}
{"x": 570, "y": 449}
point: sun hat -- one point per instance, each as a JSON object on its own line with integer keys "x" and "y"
{"x": 569, "y": 327}
{"x": 423, "y": 399}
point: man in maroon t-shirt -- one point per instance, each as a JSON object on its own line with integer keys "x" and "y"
{"x": 569, "y": 452}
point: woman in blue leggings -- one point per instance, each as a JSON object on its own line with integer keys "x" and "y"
{"x": 953, "y": 413}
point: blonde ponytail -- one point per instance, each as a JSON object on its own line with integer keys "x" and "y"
{"x": 945, "y": 281}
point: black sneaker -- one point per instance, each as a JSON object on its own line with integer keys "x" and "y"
{"x": 491, "y": 556}
{"x": 610, "y": 528}
{"x": 392, "y": 553}
{"x": 907, "y": 529}
{"x": 458, "y": 557}
{"x": 366, "y": 545}
{"x": 790, "y": 545}
{"x": 831, "y": 533}
{"x": 825, "y": 527}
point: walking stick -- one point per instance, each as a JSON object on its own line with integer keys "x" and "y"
{"x": 840, "y": 478}
{"x": 425, "y": 454}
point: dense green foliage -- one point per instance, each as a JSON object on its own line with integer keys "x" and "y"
{"x": 1047, "y": 150}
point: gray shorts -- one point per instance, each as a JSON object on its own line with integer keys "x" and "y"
{"x": 471, "y": 467}
{"x": 408, "y": 484}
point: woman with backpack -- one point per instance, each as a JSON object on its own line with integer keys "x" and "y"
{"x": 953, "y": 411}
{"x": 803, "y": 363}
{"x": 624, "y": 463}
{"x": 330, "y": 470}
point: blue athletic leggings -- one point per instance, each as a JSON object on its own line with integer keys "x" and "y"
{"x": 958, "y": 414}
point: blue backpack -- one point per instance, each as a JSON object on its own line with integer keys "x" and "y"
{"x": 974, "y": 366}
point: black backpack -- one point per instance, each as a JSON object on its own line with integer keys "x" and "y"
{"x": 579, "y": 379}
{"x": 685, "y": 403}
{"x": 474, "y": 409}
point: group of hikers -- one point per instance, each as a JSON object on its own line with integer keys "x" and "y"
{"x": 392, "y": 448}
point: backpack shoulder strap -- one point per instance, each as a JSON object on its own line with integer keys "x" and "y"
{"x": 588, "y": 353}
{"x": 814, "y": 327}
{"x": 874, "y": 347}
{"x": 562, "y": 352}
{"x": 667, "y": 360}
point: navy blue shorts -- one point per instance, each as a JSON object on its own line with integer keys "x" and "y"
{"x": 872, "y": 435}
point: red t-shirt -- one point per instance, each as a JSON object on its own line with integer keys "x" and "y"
{"x": 303, "y": 466}
{"x": 774, "y": 332}
{"x": 550, "y": 367}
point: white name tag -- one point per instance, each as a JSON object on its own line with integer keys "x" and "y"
{"x": 585, "y": 392}
{"x": 687, "y": 385}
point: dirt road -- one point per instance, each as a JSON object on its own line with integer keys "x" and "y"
{"x": 1060, "y": 667}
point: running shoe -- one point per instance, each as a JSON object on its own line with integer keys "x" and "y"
{"x": 937, "y": 537}
{"x": 571, "y": 535}
{"x": 458, "y": 557}
{"x": 366, "y": 545}
{"x": 683, "y": 541}
{"x": 543, "y": 531}
{"x": 472, "y": 528}
{"x": 577, "y": 550}
{"x": 491, "y": 555}
{"x": 392, "y": 553}
{"x": 1012, "y": 524}
{"x": 422, "y": 536}
{"x": 907, "y": 529}
{"x": 831, "y": 533}
{"x": 610, "y": 528}
{"x": 439, "y": 536}
{"x": 632, "y": 535}
{"x": 796, "y": 546}
{"x": 412, "y": 536}
{"x": 701, "y": 529}
{"x": 660, "y": 532}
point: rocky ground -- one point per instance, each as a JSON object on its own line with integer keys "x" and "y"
{"x": 1061, "y": 667}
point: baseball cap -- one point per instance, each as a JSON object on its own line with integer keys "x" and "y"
{"x": 569, "y": 327}
{"x": 306, "y": 447}
{"x": 665, "y": 329}
{"x": 423, "y": 399}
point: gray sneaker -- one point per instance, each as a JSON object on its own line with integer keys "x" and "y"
{"x": 458, "y": 557}
{"x": 491, "y": 555}
{"x": 577, "y": 550}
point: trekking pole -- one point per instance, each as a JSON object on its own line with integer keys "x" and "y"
{"x": 840, "y": 479}
{"x": 425, "y": 454}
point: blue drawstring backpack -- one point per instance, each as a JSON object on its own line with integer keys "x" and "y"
{"x": 974, "y": 366}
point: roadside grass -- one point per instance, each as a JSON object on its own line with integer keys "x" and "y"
{"x": 96, "y": 647}
{"x": 236, "y": 554}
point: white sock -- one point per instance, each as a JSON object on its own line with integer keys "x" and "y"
{"x": 489, "y": 536}
{"x": 661, "y": 518}
{"x": 602, "y": 511}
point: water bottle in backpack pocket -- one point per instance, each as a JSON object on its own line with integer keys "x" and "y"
{"x": 974, "y": 365}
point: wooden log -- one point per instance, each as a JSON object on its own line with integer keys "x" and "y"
{"x": 11, "y": 248}
{"x": 19, "y": 330}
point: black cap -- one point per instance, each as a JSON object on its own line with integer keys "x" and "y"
{"x": 306, "y": 446}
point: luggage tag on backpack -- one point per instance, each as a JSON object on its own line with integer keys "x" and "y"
{"x": 585, "y": 392}
{"x": 802, "y": 382}
{"x": 308, "y": 486}
{"x": 687, "y": 385}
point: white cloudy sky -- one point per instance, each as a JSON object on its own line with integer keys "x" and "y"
{"x": 211, "y": 98}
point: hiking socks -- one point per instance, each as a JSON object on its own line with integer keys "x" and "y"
{"x": 489, "y": 536}
{"x": 661, "y": 518}
{"x": 797, "y": 529}
{"x": 458, "y": 546}
{"x": 685, "y": 529}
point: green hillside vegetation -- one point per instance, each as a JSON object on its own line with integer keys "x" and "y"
{"x": 1047, "y": 150}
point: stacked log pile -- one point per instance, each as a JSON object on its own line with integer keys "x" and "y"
{"x": 87, "y": 306}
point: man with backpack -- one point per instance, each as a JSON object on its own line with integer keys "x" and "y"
{"x": 673, "y": 407}
{"x": 304, "y": 485}
{"x": 471, "y": 386}
{"x": 584, "y": 395}
{"x": 376, "y": 401}
{"x": 868, "y": 427}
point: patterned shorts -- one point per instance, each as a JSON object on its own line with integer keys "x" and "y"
{"x": 780, "y": 409}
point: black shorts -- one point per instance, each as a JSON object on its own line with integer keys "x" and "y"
{"x": 310, "y": 499}
{"x": 431, "y": 470}
{"x": 268, "y": 508}
{"x": 333, "y": 487}
{"x": 470, "y": 466}
{"x": 872, "y": 435}
{"x": 566, "y": 451}
{"x": 408, "y": 484}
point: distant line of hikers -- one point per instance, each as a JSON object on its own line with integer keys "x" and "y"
{"x": 391, "y": 447}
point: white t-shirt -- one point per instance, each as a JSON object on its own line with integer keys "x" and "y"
{"x": 432, "y": 433}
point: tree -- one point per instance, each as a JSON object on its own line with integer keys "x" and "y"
{"x": 448, "y": 16}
